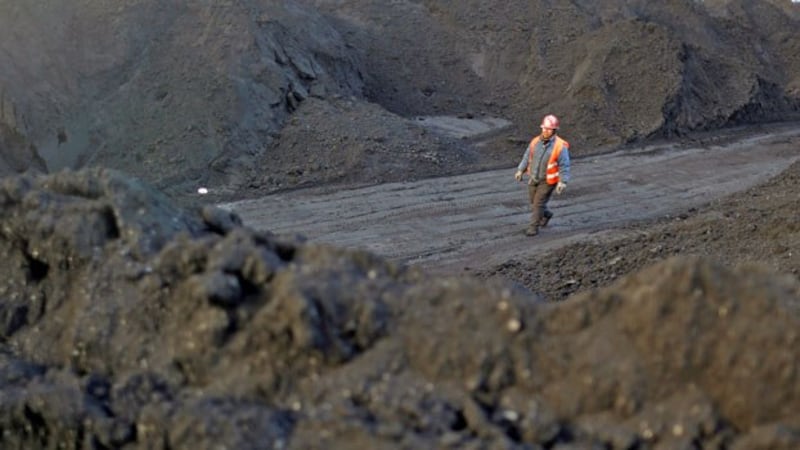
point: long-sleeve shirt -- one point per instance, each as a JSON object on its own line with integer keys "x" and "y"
{"x": 541, "y": 154}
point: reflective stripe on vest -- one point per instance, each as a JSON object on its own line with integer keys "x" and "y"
{"x": 552, "y": 163}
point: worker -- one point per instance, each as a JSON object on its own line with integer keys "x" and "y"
{"x": 546, "y": 162}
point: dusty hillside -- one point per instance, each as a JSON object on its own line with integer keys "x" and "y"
{"x": 129, "y": 323}
{"x": 167, "y": 92}
{"x": 252, "y": 97}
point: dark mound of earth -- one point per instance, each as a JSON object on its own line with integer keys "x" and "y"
{"x": 127, "y": 322}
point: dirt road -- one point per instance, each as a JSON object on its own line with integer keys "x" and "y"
{"x": 476, "y": 220}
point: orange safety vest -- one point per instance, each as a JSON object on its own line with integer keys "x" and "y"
{"x": 552, "y": 164}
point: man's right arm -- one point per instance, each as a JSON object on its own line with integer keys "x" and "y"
{"x": 523, "y": 164}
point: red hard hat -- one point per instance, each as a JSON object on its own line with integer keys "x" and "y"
{"x": 550, "y": 121}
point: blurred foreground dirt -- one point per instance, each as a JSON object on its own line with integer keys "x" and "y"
{"x": 129, "y": 323}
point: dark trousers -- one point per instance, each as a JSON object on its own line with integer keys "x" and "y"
{"x": 539, "y": 194}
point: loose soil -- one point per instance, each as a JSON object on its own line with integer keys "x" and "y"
{"x": 185, "y": 328}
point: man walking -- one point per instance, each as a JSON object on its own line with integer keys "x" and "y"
{"x": 546, "y": 161}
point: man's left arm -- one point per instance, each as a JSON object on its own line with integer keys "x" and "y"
{"x": 563, "y": 165}
{"x": 563, "y": 170}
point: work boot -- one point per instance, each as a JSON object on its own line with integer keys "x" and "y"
{"x": 531, "y": 231}
{"x": 545, "y": 218}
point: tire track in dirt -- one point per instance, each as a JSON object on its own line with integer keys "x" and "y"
{"x": 476, "y": 220}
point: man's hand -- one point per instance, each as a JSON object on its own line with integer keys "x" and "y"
{"x": 518, "y": 175}
{"x": 560, "y": 187}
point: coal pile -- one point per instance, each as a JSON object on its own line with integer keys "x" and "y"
{"x": 127, "y": 322}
